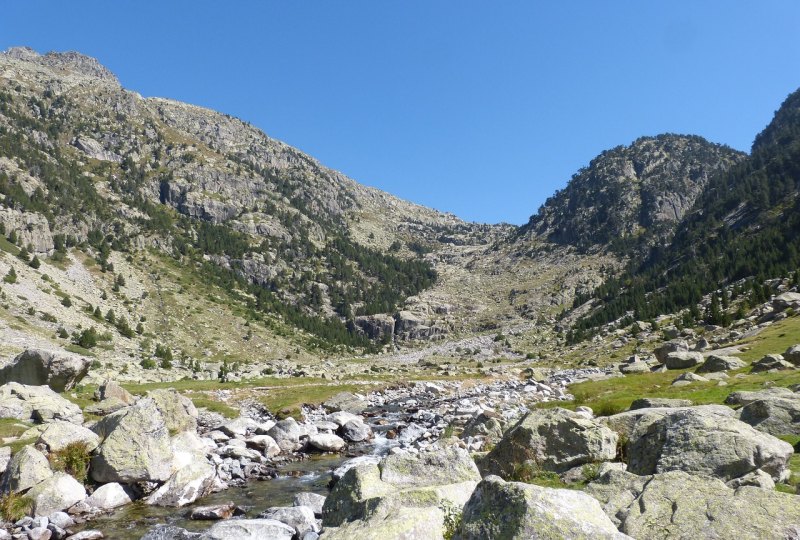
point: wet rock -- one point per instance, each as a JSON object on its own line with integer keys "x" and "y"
{"x": 300, "y": 518}
{"x": 135, "y": 446}
{"x": 356, "y": 431}
{"x": 106, "y": 497}
{"x": 326, "y": 442}
{"x": 249, "y": 529}
{"x": 499, "y": 509}
{"x": 185, "y": 486}
{"x": 59, "y": 370}
{"x": 286, "y": 434}
{"x": 314, "y": 501}
{"x": 217, "y": 511}
{"x": 555, "y": 439}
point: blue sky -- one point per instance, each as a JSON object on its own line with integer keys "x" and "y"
{"x": 482, "y": 109}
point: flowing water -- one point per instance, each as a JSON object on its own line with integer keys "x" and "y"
{"x": 133, "y": 521}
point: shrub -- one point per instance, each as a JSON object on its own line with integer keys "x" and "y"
{"x": 62, "y": 333}
{"x": 73, "y": 459}
{"x": 15, "y": 506}
{"x": 35, "y": 262}
{"x": 87, "y": 338}
{"x": 11, "y": 276}
{"x": 66, "y": 301}
{"x": 148, "y": 363}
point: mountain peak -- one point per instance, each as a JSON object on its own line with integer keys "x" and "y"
{"x": 71, "y": 61}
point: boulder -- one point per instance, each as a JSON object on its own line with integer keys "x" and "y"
{"x": 108, "y": 496}
{"x": 59, "y": 370}
{"x": 5, "y": 457}
{"x": 688, "y": 378}
{"x": 59, "y": 434}
{"x": 346, "y": 401}
{"x": 170, "y": 532}
{"x": 185, "y": 486}
{"x": 625, "y": 423}
{"x": 37, "y": 404}
{"x": 300, "y": 518}
{"x": 552, "y": 440}
{"x": 775, "y": 415}
{"x": 679, "y": 505}
{"x": 27, "y": 468}
{"x": 432, "y": 479}
{"x": 135, "y": 446}
{"x": 106, "y": 407}
{"x": 239, "y": 427}
{"x": 326, "y": 442}
{"x": 514, "y": 510}
{"x": 111, "y": 390}
{"x": 487, "y": 425}
{"x": 677, "y": 345}
{"x": 58, "y": 492}
{"x": 743, "y": 397}
{"x": 699, "y": 441}
{"x": 249, "y": 529}
{"x": 179, "y": 412}
{"x": 356, "y": 431}
{"x": 649, "y": 403}
{"x": 770, "y": 362}
{"x": 340, "y": 418}
{"x": 314, "y": 501}
{"x": 425, "y": 523}
{"x": 715, "y": 363}
{"x": 757, "y": 478}
{"x": 264, "y": 444}
{"x": 287, "y": 435}
{"x": 216, "y": 511}
{"x": 635, "y": 367}
{"x": 792, "y": 355}
{"x": 683, "y": 359}
{"x": 187, "y": 448}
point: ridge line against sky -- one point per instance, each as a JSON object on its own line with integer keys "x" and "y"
{"x": 477, "y": 109}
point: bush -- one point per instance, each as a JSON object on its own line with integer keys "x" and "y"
{"x": 11, "y": 276}
{"x": 62, "y": 333}
{"x": 66, "y": 301}
{"x": 15, "y": 506}
{"x": 163, "y": 352}
{"x": 73, "y": 459}
{"x": 148, "y": 363}
{"x": 35, "y": 262}
{"x": 87, "y": 338}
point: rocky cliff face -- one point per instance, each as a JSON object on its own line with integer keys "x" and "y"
{"x": 632, "y": 196}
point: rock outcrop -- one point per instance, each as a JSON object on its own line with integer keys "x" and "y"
{"x": 59, "y": 370}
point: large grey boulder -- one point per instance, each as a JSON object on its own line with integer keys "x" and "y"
{"x": 178, "y": 411}
{"x": 792, "y": 355}
{"x": 424, "y": 523}
{"x": 699, "y": 441}
{"x": 111, "y": 390}
{"x": 249, "y": 529}
{"x": 315, "y": 501}
{"x": 683, "y": 359}
{"x": 56, "y": 493}
{"x": 432, "y": 479}
{"x": 287, "y": 434}
{"x": 356, "y": 431}
{"x": 677, "y": 345}
{"x": 489, "y": 426}
{"x": 517, "y": 511}
{"x": 326, "y": 442}
{"x": 716, "y": 363}
{"x": 679, "y": 505}
{"x": 775, "y": 415}
{"x": 300, "y": 518}
{"x": 106, "y": 497}
{"x": 744, "y": 397}
{"x": 185, "y": 486}
{"x": 170, "y": 532}
{"x": 37, "y": 404}
{"x": 650, "y": 403}
{"x": 346, "y": 401}
{"x": 27, "y": 468}
{"x": 59, "y": 370}
{"x": 57, "y": 435}
{"x": 135, "y": 446}
{"x": 770, "y": 362}
{"x": 625, "y": 423}
{"x": 552, "y": 440}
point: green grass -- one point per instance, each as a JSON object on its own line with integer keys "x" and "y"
{"x": 7, "y": 246}
{"x": 773, "y": 340}
{"x": 616, "y": 394}
{"x": 11, "y": 427}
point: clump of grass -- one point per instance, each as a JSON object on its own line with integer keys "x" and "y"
{"x": 531, "y": 472}
{"x": 73, "y": 459}
{"x": 609, "y": 408}
{"x": 15, "y": 506}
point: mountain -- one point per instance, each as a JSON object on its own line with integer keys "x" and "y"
{"x": 745, "y": 225}
{"x": 631, "y": 197}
